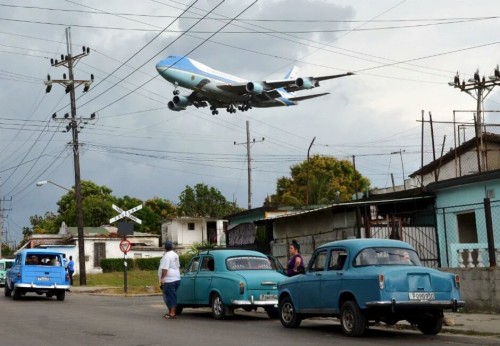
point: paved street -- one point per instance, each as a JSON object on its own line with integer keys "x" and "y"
{"x": 106, "y": 320}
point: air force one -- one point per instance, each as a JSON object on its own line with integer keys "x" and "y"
{"x": 222, "y": 90}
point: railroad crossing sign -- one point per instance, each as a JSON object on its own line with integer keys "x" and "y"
{"x": 126, "y": 213}
{"x": 125, "y": 246}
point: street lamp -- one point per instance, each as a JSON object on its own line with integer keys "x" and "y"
{"x": 43, "y": 182}
{"x": 79, "y": 217}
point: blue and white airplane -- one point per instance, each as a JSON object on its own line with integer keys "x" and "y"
{"x": 222, "y": 90}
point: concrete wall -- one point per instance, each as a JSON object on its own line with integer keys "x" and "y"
{"x": 480, "y": 288}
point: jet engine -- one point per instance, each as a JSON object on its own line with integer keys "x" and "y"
{"x": 254, "y": 88}
{"x": 305, "y": 83}
{"x": 178, "y": 103}
{"x": 173, "y": 107}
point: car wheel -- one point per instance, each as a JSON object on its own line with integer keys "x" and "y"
{"x": 431, "y": 326}
{"x": 17, "y": 294}
{"x": 178, "y": 309}
{"x": 218, "y": 308}
{"x": 273, "y": 313}
{"x": 287, "y": 314}
{"x": 352, "y": 320}
{"x": 61, "y": 295}
{"x": 7, "y": 291}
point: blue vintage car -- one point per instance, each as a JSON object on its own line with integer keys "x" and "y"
{"x": 226, "y": 279}
{"x": 39, "y": 271}
{"x": 363, "y": 281}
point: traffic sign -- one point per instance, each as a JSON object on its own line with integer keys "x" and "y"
{"x": 126, "y": 213}
{"x": 125, "y": 246}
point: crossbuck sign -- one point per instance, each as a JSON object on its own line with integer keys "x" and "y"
{"x": 126, "y": 213}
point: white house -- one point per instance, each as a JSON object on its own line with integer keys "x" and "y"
{"x": 100, "y": 243}
{"x": 185, "y": 231}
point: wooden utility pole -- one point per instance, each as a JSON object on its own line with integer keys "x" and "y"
{"x": 69, "y": 61}
{"x": 249, "y": 162}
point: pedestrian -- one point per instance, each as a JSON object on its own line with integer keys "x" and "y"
{"x": 71, "y": 269}
{"x": 169, "y": 277}
{"x": 296, "y": 263}
{"x": 65, "y": 262}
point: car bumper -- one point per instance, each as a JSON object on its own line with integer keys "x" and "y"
{"x": 42, "y": 287}
{"x": 394, "y": 305}
{"x": 252, "y": 302}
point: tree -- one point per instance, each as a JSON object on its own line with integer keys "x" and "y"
{"x": 327, "y": 177}
{"x": 204, "y": 201}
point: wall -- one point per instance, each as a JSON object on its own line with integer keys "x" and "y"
{"x": 480, "y": 288}
{"x": 311, "y": 229}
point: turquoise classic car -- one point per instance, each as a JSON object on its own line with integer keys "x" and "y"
{"x": 227, "y": 279}
{"x": 363, "y": 281}
{"x": 5, "y": 265}
{"x": 39, "y": 271}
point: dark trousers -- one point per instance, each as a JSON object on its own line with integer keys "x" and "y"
{"x": 70, "y": 277}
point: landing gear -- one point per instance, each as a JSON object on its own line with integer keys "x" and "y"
{"x": 214, "y": 110}
{"x": 176, "y": 92}
{"x": 245, "y": 107}
{"x": 230, "y": 109}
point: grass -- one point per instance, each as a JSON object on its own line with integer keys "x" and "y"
{"x": 138, "y": 281}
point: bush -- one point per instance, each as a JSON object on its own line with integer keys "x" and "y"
{"x": 109, "y": 265}
{"x": 147, "y": 263}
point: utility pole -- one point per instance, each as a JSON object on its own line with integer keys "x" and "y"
{"x": 249, "y": 162}
{"x": 308, "y": 150}
{"x": 479, "y": 88}
{"x": 69, "y": 61}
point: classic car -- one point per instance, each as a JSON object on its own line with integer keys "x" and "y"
{"x": 226, "y": 279}
{"x": 5, "y": 265}
{"x": 39, "y": 271}
{"x": 366, "y": 281}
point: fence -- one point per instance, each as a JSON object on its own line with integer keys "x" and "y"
{"x": 471, "y": 234}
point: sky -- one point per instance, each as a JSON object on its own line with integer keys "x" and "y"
{"x": 403, "y": 54}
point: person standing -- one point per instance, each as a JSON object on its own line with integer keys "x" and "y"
{"x": 296, "y": 263}
{"x": 169, "y": 277}
{"x": 71, "y": 269}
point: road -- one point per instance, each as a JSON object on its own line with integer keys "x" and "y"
{"x": 136, "y": 321}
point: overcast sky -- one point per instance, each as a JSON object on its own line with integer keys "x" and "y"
{"x": 403, "y": 54}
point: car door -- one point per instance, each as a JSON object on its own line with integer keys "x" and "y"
{"x": 331, "y": 280}
{"x": 185, "y": 294}
{"x": 309, "y": 292}
{"x": 203, "y": 280}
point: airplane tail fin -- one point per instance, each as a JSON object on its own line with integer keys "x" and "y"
{"x": 293, "y": 73}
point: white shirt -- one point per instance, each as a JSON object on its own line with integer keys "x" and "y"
{"x": 170, "y": 262}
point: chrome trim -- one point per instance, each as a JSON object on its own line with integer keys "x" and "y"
{"x": 273, "y": 302}
{"x": 422, "y": 303}
{"x": 32, "y": 285}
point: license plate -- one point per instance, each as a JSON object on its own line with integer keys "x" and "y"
{"x": 421, "y": 295}
{"x": 43, "y": 278}
{"x": 268, "y": 296}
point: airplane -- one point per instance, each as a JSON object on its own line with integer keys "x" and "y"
{"x": 222, "y": 90}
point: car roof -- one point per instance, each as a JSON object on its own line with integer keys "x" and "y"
{"x": 225, "y": 253}
{"x": 39, "y": 251}
{"x": 355, "y": 245}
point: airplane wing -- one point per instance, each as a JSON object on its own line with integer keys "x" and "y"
{"x": 306, "y": 97}
{"x": 289, "y": 85}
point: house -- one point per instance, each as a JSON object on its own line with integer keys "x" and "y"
{"x": 467, "y": 158}
{"x": 463, "y": 215}
{"x": 406, "y": 215}
{"x": 100, "y": 243}
{"x": 186, "y": 231}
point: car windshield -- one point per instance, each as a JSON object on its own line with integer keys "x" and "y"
{"x": 248, "y": 263}
{"x": 2, "y": 266}
{"x": 386, "y": 256}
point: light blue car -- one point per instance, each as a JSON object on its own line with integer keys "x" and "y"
{"x": 5, "y": 265}
{"x": 361, "y": 281}
{"x": 226, "y": 279}
{"x": 39, "y": 271}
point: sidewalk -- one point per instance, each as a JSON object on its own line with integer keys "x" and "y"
{"x": 457, "y": 323}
